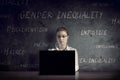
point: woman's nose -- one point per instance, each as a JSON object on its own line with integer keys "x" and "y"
{"x": 61, "y": 38}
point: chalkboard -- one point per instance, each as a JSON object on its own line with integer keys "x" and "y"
{"x": 28, "y": 26}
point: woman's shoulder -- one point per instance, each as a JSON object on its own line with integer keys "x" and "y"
{"x": 71, "y": 48}
{"x": 68, "y": 48}
{"x": 51, "y": 49}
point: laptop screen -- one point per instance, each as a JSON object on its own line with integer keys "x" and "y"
{"x": 57, "y": 63}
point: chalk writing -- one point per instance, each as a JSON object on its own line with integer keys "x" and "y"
{"x": 93, "y": 32}
{"x": 10, "y": 51}
{"x": 101, "y": 4}
{"x": 36, "y": 15}
{"x": 79, "y": 15}
{"x": 28, "y": 65}
{"x": 115, "y": 21}
{"x": 40, "y": 44}
{"x": 98, "y": 60}
{"x": 106, "y": 46}
{"x": 14, "y": 2}
{"x": 26, "y": 29}
{"x": 102, "y": 60}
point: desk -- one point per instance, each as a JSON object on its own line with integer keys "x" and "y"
{"x": 79, "y": 76}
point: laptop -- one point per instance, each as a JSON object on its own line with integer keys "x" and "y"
{"x": 57, "y": 63}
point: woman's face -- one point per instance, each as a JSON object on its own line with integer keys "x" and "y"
{"x": 62, "y": 38}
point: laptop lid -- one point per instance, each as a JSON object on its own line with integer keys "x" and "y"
{"x": 57, "y": 63}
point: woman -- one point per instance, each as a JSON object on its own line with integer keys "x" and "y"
{"x": 62, "y": 37}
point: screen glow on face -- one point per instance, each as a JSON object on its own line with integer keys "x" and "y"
{"x": 62, "y": 38}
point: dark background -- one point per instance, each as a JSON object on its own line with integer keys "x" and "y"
{"x": 28, "y": 26}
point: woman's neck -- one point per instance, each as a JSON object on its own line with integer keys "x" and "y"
{"x": 62, "y": 47}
